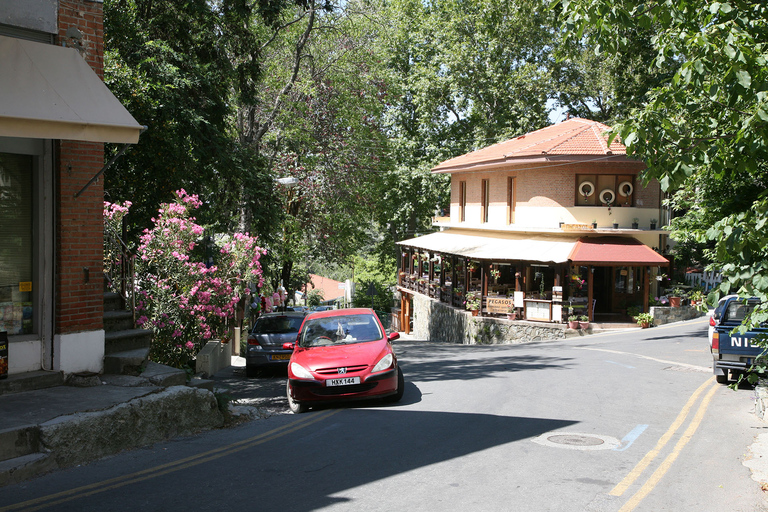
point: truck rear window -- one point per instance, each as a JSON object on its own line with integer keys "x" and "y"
{"x": 738, "y": 311}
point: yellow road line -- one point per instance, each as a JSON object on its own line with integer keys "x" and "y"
{"x": 650, "y": 484}
{"x": 633, "y": 475}
{"x": 642, "y": 356}
{"x": 170, "y": 467}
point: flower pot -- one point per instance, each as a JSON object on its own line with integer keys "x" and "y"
{"x": 511, "y": 316}
{"x": 674, "y": 302}
{"x": 584, "y": 325}
{"x": 573, "y": 325}
{"x": 645, "y": 325}
{"x": 594, "y": 225}
{"x": 474, "y": 312}
{"x": 634, "y": 225}
{"x": 615, "y": 225}
{"x": 653, "y": 225}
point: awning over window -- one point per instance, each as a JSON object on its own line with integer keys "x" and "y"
{"x": 50, "y": 92}
{"x": 615, "y": 251}
{"x": 523, "y": 248}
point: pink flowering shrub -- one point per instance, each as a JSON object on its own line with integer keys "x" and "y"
{"x": 113, "y": 224}
{"x": 184, "y": 302}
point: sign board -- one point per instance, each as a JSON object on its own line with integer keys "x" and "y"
{"x": 577, "y": 227}
{"x": 25, "y": 286}
{"x": 519, "y": 299}
{"x": 499, "y": 305}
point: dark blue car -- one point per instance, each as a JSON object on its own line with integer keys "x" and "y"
{"x": 265, "y": 341}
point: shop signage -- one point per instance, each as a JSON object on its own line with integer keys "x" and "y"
{"x": 499, "y": 305}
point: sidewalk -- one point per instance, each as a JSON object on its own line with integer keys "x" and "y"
{"x": 61, "y": 426}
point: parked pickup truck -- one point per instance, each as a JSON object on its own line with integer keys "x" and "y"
{"x": 732, "y": 350}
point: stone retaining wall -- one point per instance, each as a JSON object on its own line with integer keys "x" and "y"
{"x": 666, "y": 315}
{"x": 435, "y": 321}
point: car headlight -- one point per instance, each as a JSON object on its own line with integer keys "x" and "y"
{"x": 384, "y": 363}
{"x": 300, "y": 372}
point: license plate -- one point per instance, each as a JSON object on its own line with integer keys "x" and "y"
{"x": 346, "y": 381}
{"x": 281, "y": 357}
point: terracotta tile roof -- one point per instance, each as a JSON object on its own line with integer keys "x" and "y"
{"x": 327, "y": 287}
{"x": 615, "y": 251}
{"x": 575, "y": 136}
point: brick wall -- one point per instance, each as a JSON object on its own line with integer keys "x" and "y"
{"x": 548, "y": 187}
{"x": 80, "y": 227}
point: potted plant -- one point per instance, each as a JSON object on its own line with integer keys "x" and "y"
{"x": 615, "y": 225}
{"x": 698, "y": 300}
{"x": 675, "y": 297}
{"x": 644, "y": 320}
{"x": 633, "y": 311}
{"x": 635, "y": 223}
{"x": 584, "y": 322}
{"x": 511, "y": 313}
{"x": 573, "y": 321}
{"x": 653, "y": 223}
{"x": 594, "y": 224}
{"x": 472, "y": 302}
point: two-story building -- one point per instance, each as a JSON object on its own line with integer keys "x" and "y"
{"x": 550, "y": 220}
{"x": 55, "y": 116}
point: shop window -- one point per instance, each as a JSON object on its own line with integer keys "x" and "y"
{"x": 16, "y": 243}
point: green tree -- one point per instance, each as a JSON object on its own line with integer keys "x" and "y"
{"x": 170, "y": 63}
{"x": 464, "y": 75}
{"x": 709, "y": 122}
{"x": 371, "y": 272}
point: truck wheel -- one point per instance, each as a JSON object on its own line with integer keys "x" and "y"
{"x": 722, "y": 379}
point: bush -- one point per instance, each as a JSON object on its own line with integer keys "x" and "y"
{"x": 186, "y": 303}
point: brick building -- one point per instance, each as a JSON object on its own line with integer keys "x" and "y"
{"x": 552, "y": 219}
{"x": 55, "y": 116}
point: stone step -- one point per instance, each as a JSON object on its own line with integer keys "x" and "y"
{"x": 30, "y": 381}
{"x": 119, "y": 320}
{"x": 20, "y": 441}
{"x": 129, "y": 362}
{"x": 25, "y": 467}
{"x": 127, "y": 339}
{"x": 165, "y": 376}
{"x": 113, "y": 301}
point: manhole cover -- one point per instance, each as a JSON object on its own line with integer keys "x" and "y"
{"x": 577, "y": 441}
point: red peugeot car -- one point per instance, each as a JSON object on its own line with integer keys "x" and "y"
{"x": 340, "y": 355}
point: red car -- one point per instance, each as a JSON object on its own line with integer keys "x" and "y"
{"x": 341, "y": 355}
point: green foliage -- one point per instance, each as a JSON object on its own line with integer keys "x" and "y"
{"x": 644, "y": 318}
{"x": 707, "y": 126}
{"x": 314, "y": 298}
{"x": 382, "y": 275}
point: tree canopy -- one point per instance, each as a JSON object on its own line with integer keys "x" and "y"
{"x": 708, "y": 125}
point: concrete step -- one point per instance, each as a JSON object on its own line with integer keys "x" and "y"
{"x": 113, "y": 302}
{"x": 127, "y": 362}
{"x": 20, "y": 441}
{"x": 30, "y": 381}
{"x": 22, "y": 468}
{"x": 118, "y": 321}
{"x": 165, "y": 376}
{"x": 127, "y": 339}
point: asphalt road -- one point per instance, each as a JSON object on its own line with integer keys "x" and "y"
{"x": 631, "y": 420}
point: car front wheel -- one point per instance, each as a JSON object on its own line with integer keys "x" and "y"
{"x": 296, "y": 407}
{"x": 400, "y": 388}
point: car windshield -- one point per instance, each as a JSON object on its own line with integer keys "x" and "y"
{"x": 277, "y": 324}
{"x": 339, "y": 330}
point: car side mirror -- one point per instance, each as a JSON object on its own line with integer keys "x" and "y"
{"x": 394, "y": 336}
{"x": 289, "y": 346}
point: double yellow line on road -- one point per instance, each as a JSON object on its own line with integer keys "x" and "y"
{"x": 649, "y": 484}
{"x": 146, "y": 474}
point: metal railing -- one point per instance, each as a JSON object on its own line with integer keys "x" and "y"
{"x": 120, "y": 270}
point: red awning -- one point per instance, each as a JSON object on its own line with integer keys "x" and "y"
{"x": 615, "y": 251}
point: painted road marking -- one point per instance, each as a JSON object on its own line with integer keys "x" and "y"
{"x": 170, "y": 467}
{"x": 645, "y": 461}
{"x": 650, "y": 484}
{"x": 641, "y": 356}
{"x": 620, "y": 364}
{"x": 631, "y": 437}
